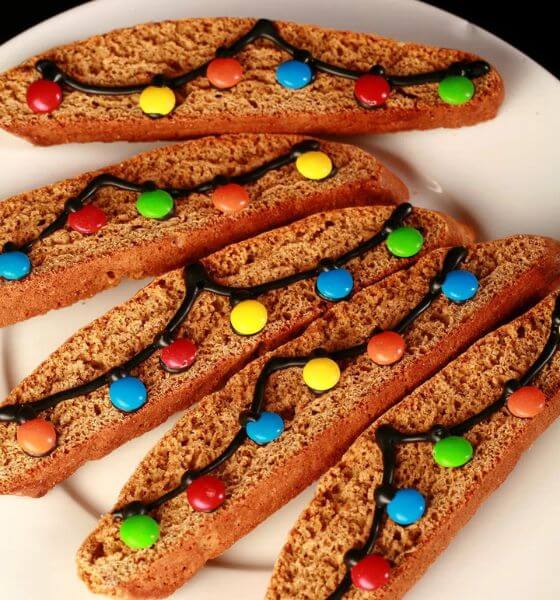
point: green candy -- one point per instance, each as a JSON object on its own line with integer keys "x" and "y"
{"x": 405, "y": 242}
{"x": 139, "y": 531}
{"x": 453, "y": 451}
{"x": 456, "y": 89}
{"x": 157, "y": 204}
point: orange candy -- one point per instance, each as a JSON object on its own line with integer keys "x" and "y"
{"x": 230, "y": 198}
{"x": 36, "y": 437}
{"x": 526, "y": 402}
{"x": 386, "y": 348}
{"x": 224, "y": 73}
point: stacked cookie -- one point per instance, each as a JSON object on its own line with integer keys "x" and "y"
{"x": 307, "y": 318}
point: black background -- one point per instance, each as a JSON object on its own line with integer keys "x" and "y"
{"x": 531, "y": 26}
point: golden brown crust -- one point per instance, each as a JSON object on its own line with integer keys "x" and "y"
{"x": 88, "y": 427}
{"x": 257, "y": 104}
{"x": 318, "y": 429}
{"x": 69, "y": 266}
{"x": 340, "y": 515}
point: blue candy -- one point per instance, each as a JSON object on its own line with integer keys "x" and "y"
{"x": 336, "y": 284}
{"x": 268, "y": 427}
{"x": 128, "y": 394}
{"x": 460, "y": 286}
{"x": 14, "y": 265}
{"x": 294, "y": 74}
{"x": 406, "y": 507}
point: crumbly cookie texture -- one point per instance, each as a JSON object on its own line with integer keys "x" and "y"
{"x": 68, "y": 266}
{"x": 318, "y": 429}
{"x": 339, "y": 517}
{"x": 89, "y": 426}
{"x": 256, "y": 103}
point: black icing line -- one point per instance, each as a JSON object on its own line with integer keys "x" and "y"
{"x": 388, "y": 438}
{"x": 455, "y": 256}
{"x": 106, "y": 180}
{"x": 264, "y": 29}
{"x": 453, "y": 259}
{"x": 197, "y": 280}
{"x": 271, "y": 366}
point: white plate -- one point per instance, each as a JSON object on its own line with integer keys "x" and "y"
{"x": 500, "y": 176}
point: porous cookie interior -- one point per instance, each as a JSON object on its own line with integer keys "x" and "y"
{"x": 340, "y": 515}
{"x": 136, "y": 54}
{"x": 105, "y": 563}
{"x": 123, "y": 331}
{"x": 23, "y": 216}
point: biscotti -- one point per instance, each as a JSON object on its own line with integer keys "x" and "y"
{"x": 246, "y": 450}
{"x": 189, "y": 330}
{"x": 382, "y": 515}
{"x": 152, "y": 213}
{"x": 226, "y": 75}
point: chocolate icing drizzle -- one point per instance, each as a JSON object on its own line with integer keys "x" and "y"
{"x": 263, "y": 29}
{"x": 106, "y": 180}
{"x": 388, "y": 438}
{"x": 197, "y": 281}
{"x": 455, "y": 256}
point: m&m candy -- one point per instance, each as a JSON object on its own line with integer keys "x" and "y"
{"x": 36, "y": 437}
{"x": 44, "y": 96}
{"x": 371, "y": 90}
{"x": 321, "y": 374}
{"x": 14, "y": 265}
{"x": 459, "y": 286}
{"x": 87, "y": 220}
{"x": 128, "y": 394}
{"x": 407, "y": 506}
{"x": 224, "y": 73}
{"x": 453, "y": 451}
{"x": 248, "y": 317}
{"x": 386, "y": 348}
{"x": 335, "y": 284}
{"x": 314, "y": 165}
{"x": 179, "y": 355}
{"x": 294, "y": 74}
{"x": 456, "y": 89}
{"x": 157, "y": 101}
{"x": 155, "y": 204}
{"x": 230, "y": 198}
{"x": 139, "y": 531}
{"x": 206, "y": 493}
{"x": 266, "y": 428}
{"x": 526, "y": 402}
{"x": 371, "y": 573}
{"x": 405, "y": 242}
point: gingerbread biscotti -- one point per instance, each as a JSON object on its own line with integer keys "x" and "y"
{"x": 189, "y": 330}
{"x": 176, "y": 79}
{"x": 245, "y": 450}
{"x": 152, "y": 213}
{"x": 382, "y": 515}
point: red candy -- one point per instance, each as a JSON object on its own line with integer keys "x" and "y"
{"x": 206, "y": 493}
{"x": 224, "y": 73}
{"x": 386, "y": 348}
{"x": 36, "y": 437}
{"x": 44, "y": 96}
{"x": 89, "y": 219}
{"x": 526, "y": 402}
{"x": 230, "y": 198}
{"x": 371, "y": 90}
{"x": 179, "y": 355}
{"x": 371, "y": 572}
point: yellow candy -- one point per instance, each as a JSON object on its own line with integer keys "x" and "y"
{"x": 248, "y": 317}
{"x": 314, "y": 165}
{"x": 157, "y": 100}
{"x": 321, "y": 374}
